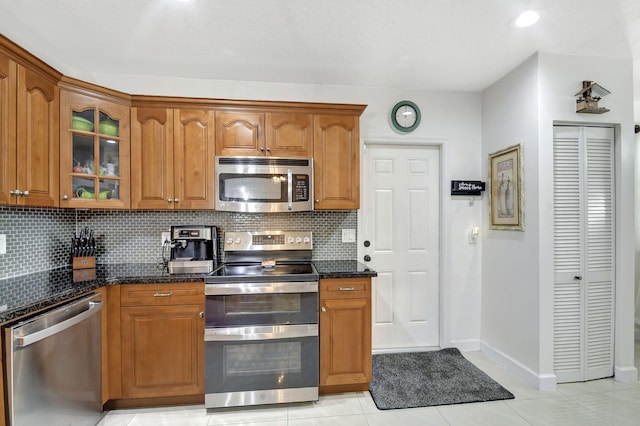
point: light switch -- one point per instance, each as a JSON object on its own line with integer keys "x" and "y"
{"x": 473, "y": 235}
{"x": 348, "y": 235}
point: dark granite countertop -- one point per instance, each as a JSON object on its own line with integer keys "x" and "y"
{"x": 343, "y": 269}
{"x": 25, "y": 294}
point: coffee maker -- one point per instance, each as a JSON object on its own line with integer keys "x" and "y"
{"x": 193, "y": 249}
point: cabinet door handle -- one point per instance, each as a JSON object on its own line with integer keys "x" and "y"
{"x": 323, "y": 309}
{"x": 157, "y": 294}
{"x": 65, "y": 197}
{"x": 169, "y": 200}
{"x": 346, "y": 288}
{"x": 261, "y": 148}
{"x": 201, "y": 314}
{"x": 25, "y": 193}
{"x": 16, "y": 192}
{"x": 268, "y": 149}
{"x": 577, "y": 277}
{"x": 176, "y": 200}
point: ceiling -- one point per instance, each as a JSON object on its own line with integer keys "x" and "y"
{"x": 460, "y": 45}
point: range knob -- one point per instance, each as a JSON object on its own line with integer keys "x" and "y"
{"x": 306, "y": 240}
{"x": 238, "y": 240}
{"x": 298, "y": 240}
{"x": 291, "y": 240}
{"x": 230, "y": 241}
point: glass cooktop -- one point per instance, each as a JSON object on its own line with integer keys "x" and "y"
{"x": 282, "y": 271}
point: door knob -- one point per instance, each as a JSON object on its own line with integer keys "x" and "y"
{"x": 367, "y": 243}
{"x": 367, "y": 258}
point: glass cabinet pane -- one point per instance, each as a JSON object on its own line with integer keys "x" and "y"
{"x": 83, "y": 120}
{"x": 108, "y": 126}
{"x": 109, "y": 157}
{"x": 83, "y": 152}
{"x": 109, "y": 189}
{"x": 83, "y": 188}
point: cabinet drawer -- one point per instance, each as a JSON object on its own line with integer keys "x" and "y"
{"x": 345, "y": 288}
{"x": 162, "y": 294}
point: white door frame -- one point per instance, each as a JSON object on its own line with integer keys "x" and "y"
{"x": 440, "y": 143}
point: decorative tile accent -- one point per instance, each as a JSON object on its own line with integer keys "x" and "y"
{"x": 39, "y": 239}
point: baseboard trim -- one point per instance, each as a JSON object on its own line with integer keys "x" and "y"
{"x": 625, "y": 374}
{"x": 543, "y": 382}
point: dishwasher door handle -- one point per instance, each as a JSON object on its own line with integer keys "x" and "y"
{"x": 29, "y": 339}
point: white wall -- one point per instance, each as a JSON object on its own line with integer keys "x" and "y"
{"x": 450, "y": 119}
{"x": 510, "y": 298}
{"x": 517, "y": 277}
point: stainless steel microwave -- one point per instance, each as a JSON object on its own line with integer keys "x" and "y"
{"x": 264, "y": 184}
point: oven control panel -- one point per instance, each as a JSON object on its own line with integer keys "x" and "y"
{"x": 268, "y": 240}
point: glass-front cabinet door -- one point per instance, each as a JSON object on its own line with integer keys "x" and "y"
{"x": 94, "y": 152}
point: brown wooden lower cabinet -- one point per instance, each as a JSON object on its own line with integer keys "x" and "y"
{"x": 345, "y": 334}
{"x": 161, "y": 345}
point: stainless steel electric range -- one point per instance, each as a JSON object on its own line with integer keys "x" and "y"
{"x": 261, "y": 321}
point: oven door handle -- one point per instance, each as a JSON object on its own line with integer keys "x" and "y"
{"x": 260, "y": 332}
{"x": 257, "y": 288}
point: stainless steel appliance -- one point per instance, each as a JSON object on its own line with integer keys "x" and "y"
{"x": 261, "y": 321}
{"x": 54, "y": 366}
{"x": 264, "y": 184}
{"x": 193, "y": 249}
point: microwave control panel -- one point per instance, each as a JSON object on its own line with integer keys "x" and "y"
{"x": 301, "y": 188}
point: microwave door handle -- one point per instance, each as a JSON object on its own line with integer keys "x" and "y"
{"x": 289, "y": 189}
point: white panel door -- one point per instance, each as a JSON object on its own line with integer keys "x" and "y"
{"x": 583, "y": 252}
{"x": 400, "y": 217}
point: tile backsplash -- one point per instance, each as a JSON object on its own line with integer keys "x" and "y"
{"x": 39, "y": 239}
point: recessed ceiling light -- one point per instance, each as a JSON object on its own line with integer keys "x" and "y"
{"x": 526, "y": 19}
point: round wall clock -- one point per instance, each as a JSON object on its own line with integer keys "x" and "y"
{"x": 405, "y": 116}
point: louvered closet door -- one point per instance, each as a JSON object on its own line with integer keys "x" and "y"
{"x": 583, "y": 252}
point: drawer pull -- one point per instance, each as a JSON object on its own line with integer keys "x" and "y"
{"x": 163, "y": 294}
{"x": 346, "y": 288}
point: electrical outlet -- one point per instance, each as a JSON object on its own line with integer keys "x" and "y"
{"x": 3, "y": 244}
{"x": 166, "y": 236}
{"x": 348, "y": 235}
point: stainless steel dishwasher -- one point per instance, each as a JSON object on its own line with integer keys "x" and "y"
{"x": 54, "y": 366}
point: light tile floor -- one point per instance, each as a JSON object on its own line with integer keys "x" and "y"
{"x": 599, "y": 402}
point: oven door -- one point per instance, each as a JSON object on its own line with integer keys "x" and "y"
{"x": 261, "y": 365}
{"x": 254, "y": 304}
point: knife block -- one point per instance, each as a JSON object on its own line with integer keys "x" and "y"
{"x": 84, "y": 262}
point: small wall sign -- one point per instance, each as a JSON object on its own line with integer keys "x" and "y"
{"x": 467, "y": 187}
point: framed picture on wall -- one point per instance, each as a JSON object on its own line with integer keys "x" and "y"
{"x": 506, "y": 196}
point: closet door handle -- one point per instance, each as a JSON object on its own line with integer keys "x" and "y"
{"x": 577, "y": 277}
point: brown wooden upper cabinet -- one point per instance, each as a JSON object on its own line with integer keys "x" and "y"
{"x": 336, "y": 162}
{"x": 274, "y": 134}
{"x": 172, "y": 158}
{"x": 29, "y": 108}
{"x": 94, "y": 151}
